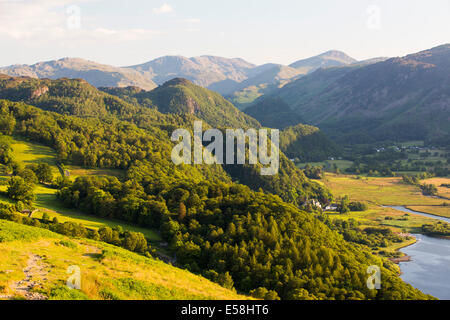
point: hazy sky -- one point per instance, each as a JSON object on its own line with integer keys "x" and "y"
{"x": 282, "y": 31}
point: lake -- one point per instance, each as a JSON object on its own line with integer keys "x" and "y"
{"x": 429, "y": 268}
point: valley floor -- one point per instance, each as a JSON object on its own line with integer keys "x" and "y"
{"x": 381, "y": 192}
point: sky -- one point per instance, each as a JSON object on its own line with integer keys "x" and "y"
{"x": 124, "y": 33}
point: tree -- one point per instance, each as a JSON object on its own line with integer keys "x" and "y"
{"x": 344, "y": 205}
{"x": 134, "y": 241}
{"x": 44, "y": 173}
{"x": 29, "y": 176}
{"x": 181, "y": 211}
{"x": 19, "y": 190}
{"x": 45, "y": 217}
{"x": 225, "y": 280}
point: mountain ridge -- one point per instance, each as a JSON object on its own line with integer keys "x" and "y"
{"x": 398, "y": 98}
{"x": 220, "y": 74}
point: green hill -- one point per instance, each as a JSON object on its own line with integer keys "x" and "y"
{"x": 34, "y": 264}
{"x": 180, "y": 96}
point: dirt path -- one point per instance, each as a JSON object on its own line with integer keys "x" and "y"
{"x": 35, "y": 272}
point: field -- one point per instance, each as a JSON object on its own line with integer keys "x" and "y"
{"x": 76, "y": 171}
{"x": 436, "y": 210}
{"x": 379, "y": 192}
{"x": 34, "y": 264}
{"x": 27, "y": 152}
{"x": 442, "y": 191}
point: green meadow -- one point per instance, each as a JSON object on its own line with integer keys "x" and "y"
{"x": 379, "y": 192}
{"x": 27, "y": 152}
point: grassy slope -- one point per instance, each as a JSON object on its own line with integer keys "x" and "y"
{"x": 27, "y": 153}
{"x": 107, "y": 272}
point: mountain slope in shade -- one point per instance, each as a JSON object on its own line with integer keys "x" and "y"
{"x": 307, "y": 143}
{"x": 95, "y": 73}
{"x": 273, "y": 112}
{"x": 400, "y": 98}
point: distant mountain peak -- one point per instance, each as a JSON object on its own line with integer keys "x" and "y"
{"x": 331, "y": 58}
{"x": 177, "y": 81}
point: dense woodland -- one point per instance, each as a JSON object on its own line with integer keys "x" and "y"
{"x": 307, "y": 144}
{"x": 233, "y": 233}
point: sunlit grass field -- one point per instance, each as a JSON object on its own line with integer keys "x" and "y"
{"x": 437, "y": 210}
{"x": 107, "y": 272}
{"x": 26, "y": 153}
{"x": 379, "y": 192}
{"x": 442, "y": 191}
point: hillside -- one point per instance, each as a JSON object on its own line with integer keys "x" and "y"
{"x": 307, "y": 143}
{"x": 180, "y": 96}
{"x": 267, "y": 78}
{"x": 221, "y": 230}
{"x": 78, "y": 97}
{"x": 398, "y": 99}
{"x": 272, "y": 112}
{"x": 97, "y": 74}
{"x": 34, "y": 264}
{"x": 219, "y": 74}
{"x": 270, "y": 77}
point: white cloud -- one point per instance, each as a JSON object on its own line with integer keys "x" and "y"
{"x": 50, "y": 20}
{"x": 165, "y": 8}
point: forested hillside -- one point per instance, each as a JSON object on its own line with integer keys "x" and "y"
{"x": 307, "y": 143}
{"x": 244, "y": 239}
{"x": 273, "y": 112}
{"x": 180, "y": 96}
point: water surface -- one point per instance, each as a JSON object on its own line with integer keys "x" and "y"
{"x": 429, "y": 268}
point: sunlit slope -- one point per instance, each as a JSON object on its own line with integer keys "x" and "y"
{"x": 107, "y": 272}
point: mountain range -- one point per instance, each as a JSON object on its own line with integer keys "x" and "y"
{"x": 226, "y": 76}
{"x": 399, "y": 98}
{"x": 97, "y": 74}
{"x": 404, "y": 98}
